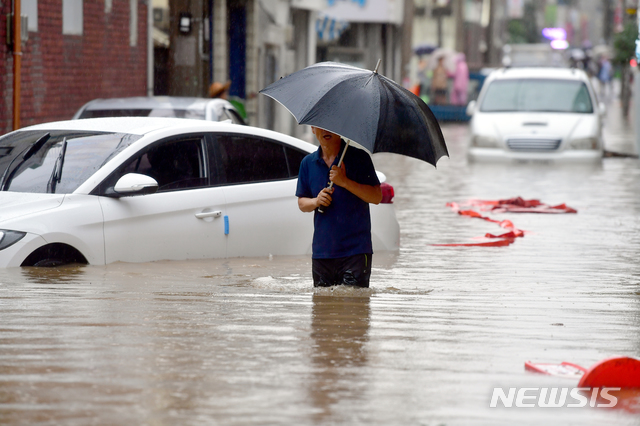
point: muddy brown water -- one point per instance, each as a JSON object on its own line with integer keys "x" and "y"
{"x": 249, "y": 341}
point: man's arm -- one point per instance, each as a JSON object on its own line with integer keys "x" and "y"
{"x": 368, "y": 193}
{"x": 310, "y": 204}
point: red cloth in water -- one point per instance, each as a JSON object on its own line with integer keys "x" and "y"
{"x": 511, "y": 205}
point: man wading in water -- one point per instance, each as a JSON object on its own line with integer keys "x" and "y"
{"x": 342, "y": 246}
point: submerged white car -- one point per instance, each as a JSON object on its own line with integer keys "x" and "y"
{"x": 536, "y": 114}
{"x": 103, "y": 190}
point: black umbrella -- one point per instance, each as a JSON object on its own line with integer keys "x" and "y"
{"x": 363, "y": 106}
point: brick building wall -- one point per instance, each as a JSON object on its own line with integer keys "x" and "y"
{"x": 60, "y": 73}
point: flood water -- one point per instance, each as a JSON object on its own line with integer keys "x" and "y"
{"x": 249, "y": 341}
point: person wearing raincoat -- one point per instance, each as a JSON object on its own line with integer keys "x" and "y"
{"x": 460, "y": 89}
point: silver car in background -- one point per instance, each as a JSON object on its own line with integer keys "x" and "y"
{"x": 210, "y": 109}
{"x": 536, "y": 114}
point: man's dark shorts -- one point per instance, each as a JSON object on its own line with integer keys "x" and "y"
{"x": 351, "y": 270}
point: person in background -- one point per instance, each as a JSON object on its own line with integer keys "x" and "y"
{"x": 439, "y": 83}
{"x": 459, "y": 93}
{"x": 219, "y": 90}
{"x": 604, "y": 77}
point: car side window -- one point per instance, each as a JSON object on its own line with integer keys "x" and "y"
{"x": 244, "y": 159}
{"x": 294, "y": 158}
{"x": 174, "y": 164}
{"x": 229, "y": 114}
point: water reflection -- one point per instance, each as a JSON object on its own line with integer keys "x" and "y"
{"x": 340, "y": 332}
{"x": 61, "y": 274}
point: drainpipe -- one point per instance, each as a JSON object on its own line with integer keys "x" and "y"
{"x": 150, "y": 57}
{"x": 17, "y": 62}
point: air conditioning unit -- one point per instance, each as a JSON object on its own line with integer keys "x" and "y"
{"x": 161, "y": 18}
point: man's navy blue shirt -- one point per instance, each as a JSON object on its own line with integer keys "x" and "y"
{"x": 344, "y": 229}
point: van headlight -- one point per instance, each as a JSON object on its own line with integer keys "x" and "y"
{"x": 583, "y": 143}
{"x": 9, "y": 238}
{"x": 481, "y": 141}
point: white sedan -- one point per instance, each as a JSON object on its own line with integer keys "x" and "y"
{"x": 536, "y": 114}
{"x": 103, "y": 190}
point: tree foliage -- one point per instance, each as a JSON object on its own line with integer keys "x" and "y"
{"x": 624, "y": 44}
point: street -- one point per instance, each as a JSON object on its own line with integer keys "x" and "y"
{"x": 248, "y": 341}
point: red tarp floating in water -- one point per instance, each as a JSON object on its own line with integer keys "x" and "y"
{"x": 512, "y": 205}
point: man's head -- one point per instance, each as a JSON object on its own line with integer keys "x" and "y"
{"x": 219, "y": 90}
{"x": 325, "y": 136}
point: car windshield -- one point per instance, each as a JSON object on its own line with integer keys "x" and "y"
{"x": 537, "y": 95}
{"x": 196, "y": 114}
{"x": 84, "y": 153}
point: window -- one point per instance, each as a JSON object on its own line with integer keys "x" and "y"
{"x": 294, "y": 158}
{"x": 174, "y": 164}
{"x": 133, "y": 23}
{"x": 30, "y": 8}
{"x": 72, "y": 17}
{"x": 537, "y": 95}
{"x": 83, "y": 155}
{"x": 230, "y": 114}
{"x": 249, "y": 159}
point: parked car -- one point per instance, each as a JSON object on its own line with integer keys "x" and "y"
{"x": 211, "y": 109}
{"x": 536, "y": 114}
{"x": 131, "y": 189}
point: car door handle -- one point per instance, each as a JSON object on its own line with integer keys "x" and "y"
{"x": 203, "y": 215}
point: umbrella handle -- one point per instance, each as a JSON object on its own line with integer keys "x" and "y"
{"x": 341, "y": 158}
{"x": 320, "y": 209}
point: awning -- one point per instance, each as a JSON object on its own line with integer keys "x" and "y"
{"x": 160, "y": 38}
{"x": 366, "y": 11}
{"x": 330, "y": 29}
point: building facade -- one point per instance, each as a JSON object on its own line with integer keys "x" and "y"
{"x": 76, "y": 51}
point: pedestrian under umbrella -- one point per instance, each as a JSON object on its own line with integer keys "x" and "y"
{"x": 345, "y": 102}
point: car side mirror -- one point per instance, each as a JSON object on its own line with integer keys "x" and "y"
{"x": 133, "y": 184}
{"x": 471, "y": 108}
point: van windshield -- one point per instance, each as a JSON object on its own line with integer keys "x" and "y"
{"x": 537, "y": 95}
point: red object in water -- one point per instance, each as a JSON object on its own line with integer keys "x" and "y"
{"x": 565, "y": 369}
{"x": 387, "y": 193}
{"x": 512, "y": 234}
{"x": 499, "y": 243}
{"x": 511, "y": 205}
{"x": 516, "y": 205}
{"x": 621, "y": 372}
{"x": 519, "y": 205}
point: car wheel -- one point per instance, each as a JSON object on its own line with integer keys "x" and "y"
{"x": 50, "y": 263}
{"x": 55, "y": 254}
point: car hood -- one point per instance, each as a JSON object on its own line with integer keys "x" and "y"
{"x": 19, "y": 204}
{"x": 557, "y": 126}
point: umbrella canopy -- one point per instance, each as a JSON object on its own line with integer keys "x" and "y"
{"x": 449, "y": 56}
{"x": 363, "y": 106}
{"x": 424, "y": 49}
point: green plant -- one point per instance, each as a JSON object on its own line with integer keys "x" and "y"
{"x": 624, "y": 44}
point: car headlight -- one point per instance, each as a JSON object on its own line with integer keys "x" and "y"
{"x": 480, "y": 141}
{"x": 583, "y": 143}
{"x": 9, "y": 238}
